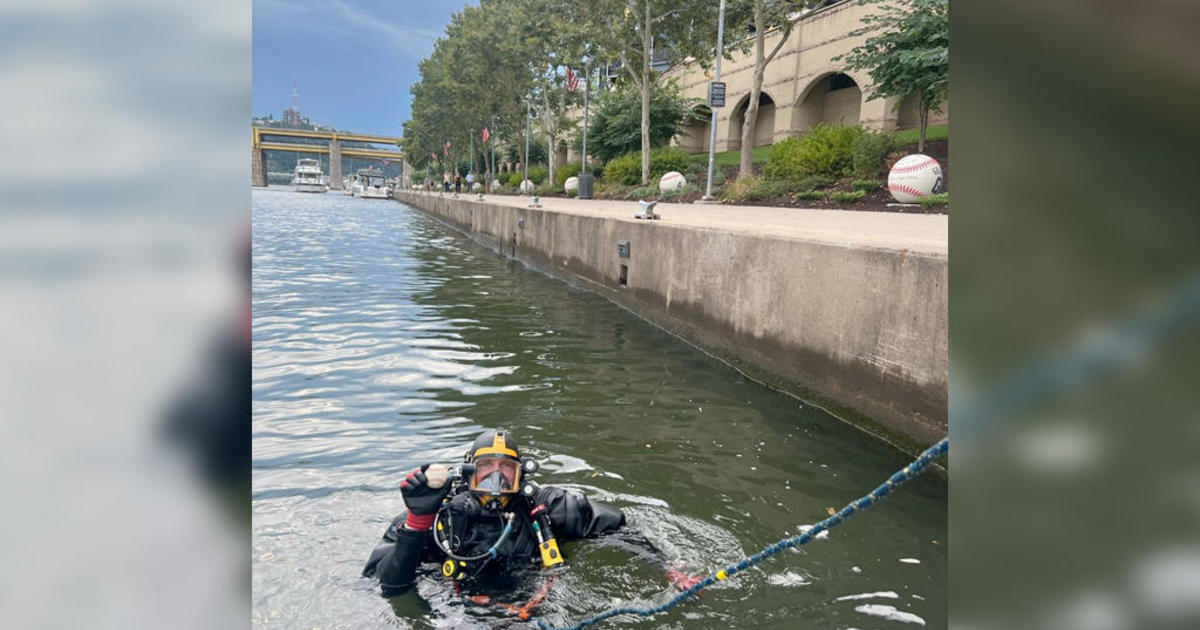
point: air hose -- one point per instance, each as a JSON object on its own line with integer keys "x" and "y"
{"x": 490, "y": 553}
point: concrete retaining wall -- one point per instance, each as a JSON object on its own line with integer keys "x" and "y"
{"x": 864, "y": 327}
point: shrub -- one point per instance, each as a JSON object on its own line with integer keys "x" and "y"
{"x": 824, "y": 150}
{"x": 562, "y": 173}
{"x": 767, "y": 189}
{"x": 665, "y": 159}
{"x": 940, "y": 199}
{"x": 644, "y": 192}
{"x": 848, "y": 197}
{"x": 537, "y": 174}
{"x": 810, "y": 194}
{"x": 815, "y": 181}
{"x": 866, "y": 185}
{"x": 736, "y": 190}
{"x": 755, "y": 188}
{"x": 675, "y": 194}
{"x": 514, "y": 180}
{"x": 626, "y": 169}
{"x": 867, "y": 153}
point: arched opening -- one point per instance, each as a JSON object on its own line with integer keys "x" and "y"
{"x": 695, "y": 134}
{"x": 834, "y": 98}
{"x": 764, "y": 127}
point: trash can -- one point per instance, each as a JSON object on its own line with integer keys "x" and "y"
{"x": 585, "y": 185}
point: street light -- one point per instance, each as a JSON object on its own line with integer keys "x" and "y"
{"x": 528, "y": 122}
{"x": 712, "y": 139}
{"x": 585, "y": 178}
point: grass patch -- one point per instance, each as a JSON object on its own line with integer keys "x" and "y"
{"x": 848, "y": 197}
{"x": 940, "y": 199}
{"x": 734, "y": 158}
{"x": 865, "y": 185}
{"x": 805, "y": 195}
{"x": 910, "y": 136}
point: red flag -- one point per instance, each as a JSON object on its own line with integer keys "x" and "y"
{"x": 485, "y": 134}
{"x": 572, "y": 80}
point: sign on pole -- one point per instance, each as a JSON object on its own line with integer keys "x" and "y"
{"x": 716, "y": 94}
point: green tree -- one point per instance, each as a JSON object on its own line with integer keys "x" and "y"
{"x": 616, "y": 126}
{"x": 628, "y": 30}
{"x": 765, "y": 16}
{"x": 909, "y": 55}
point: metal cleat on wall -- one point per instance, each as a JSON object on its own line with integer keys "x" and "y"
{"x": 647, "y": 210}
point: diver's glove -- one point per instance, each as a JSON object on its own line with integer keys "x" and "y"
{"x": 423, "y": 490}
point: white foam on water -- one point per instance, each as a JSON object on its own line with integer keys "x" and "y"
{"x": 890, "y": 613}
{"x": 910, "y": 561}
{"x": 879, "y": 594}
{"x": 561, "y": 464}
{"x": 823, "y": 534}
{"x": 788, "y": 578}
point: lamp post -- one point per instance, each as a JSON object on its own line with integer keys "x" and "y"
{"x": 585, "y": 178}
{"x": 712, "y": 138}
{"x": 528, "y": 122}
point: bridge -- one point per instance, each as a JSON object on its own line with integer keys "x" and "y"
{"x": 334, "y": 149}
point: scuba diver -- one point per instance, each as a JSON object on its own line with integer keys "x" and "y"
{"x": 483, "y": 520}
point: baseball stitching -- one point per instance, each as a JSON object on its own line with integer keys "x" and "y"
{"x": 915, "y": 167}
{"x": 905, "y": 189}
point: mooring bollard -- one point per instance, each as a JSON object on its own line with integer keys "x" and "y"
{"x": 535, "y": 202}
{"x": 647, "y": 210}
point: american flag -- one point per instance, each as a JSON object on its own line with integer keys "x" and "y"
{"x": 572, "y": 80}
{"x": 485, "y": 134}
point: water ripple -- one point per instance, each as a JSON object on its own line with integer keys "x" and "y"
{"x": 383, "y": 340}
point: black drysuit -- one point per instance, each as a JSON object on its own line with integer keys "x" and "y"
{"x": 475, "y": 529}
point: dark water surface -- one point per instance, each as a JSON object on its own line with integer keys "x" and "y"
{"x": 383, "y": 340}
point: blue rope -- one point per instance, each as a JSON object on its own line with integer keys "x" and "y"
{"x": 901, "y": 476}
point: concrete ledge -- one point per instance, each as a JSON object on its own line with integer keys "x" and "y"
{"x": 863, "y": 325}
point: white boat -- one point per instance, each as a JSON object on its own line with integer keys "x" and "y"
{"x": 369, "y": 184}
{"x": 307, "y": 176}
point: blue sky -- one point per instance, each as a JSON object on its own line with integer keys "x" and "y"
{"x": 353, "y": 60}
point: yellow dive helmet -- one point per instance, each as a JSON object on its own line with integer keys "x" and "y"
{"x": 497, "y": 461}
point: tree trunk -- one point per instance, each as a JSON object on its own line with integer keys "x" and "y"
{"x": 521, "y": 158}
{"x": 746, "y": 157}
{"x": 746, "y": 161}
{"x": 646, "y": 39}
{"x": 549, "y": 135}
{"x": 924, "y": 126}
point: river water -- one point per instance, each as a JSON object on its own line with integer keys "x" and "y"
{"x": 384, "y": 339}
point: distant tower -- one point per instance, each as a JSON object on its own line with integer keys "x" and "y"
{"x": 291, "y": 116}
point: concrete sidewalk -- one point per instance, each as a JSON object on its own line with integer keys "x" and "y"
{"x": 925, "y": 233}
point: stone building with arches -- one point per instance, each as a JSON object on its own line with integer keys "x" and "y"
{"x": 801, "y": 87}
